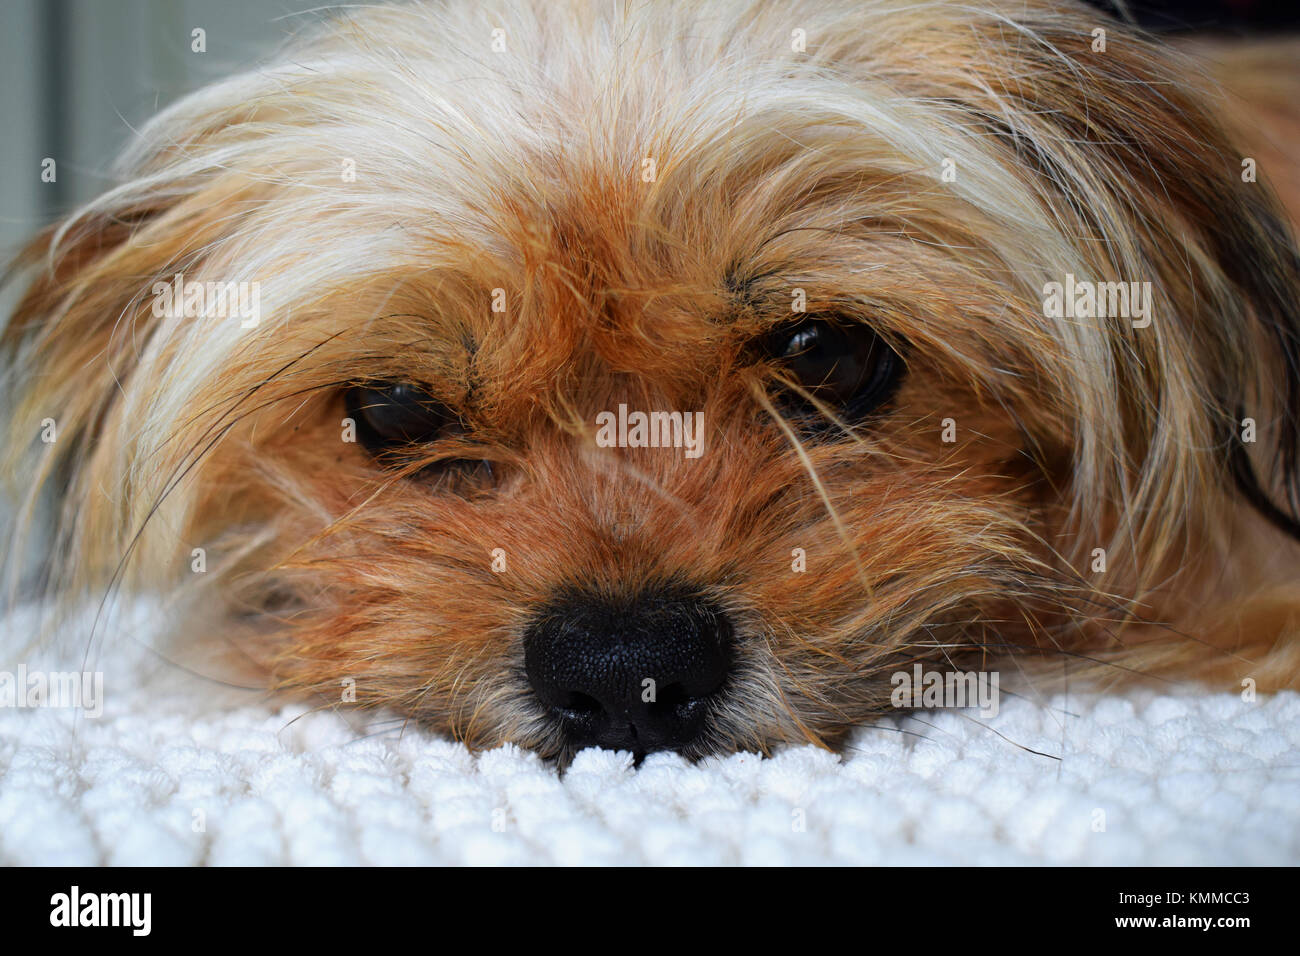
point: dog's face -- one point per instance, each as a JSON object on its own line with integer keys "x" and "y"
{"x": 817, "y": 244}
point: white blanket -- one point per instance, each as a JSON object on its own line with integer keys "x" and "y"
{"x": 174, "y": 772}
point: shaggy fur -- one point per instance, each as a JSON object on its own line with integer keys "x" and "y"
{"x": 521, "y": 174}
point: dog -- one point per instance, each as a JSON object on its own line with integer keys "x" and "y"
{"x": 667, "y": 376}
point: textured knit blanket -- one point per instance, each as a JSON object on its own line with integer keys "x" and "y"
{"x": 174, "y": 772}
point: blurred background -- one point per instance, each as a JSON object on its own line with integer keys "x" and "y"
{"x": 79, "y": 74}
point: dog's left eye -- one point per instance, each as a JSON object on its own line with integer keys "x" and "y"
{"x": 848, "y": 366}
{"x": 390, "y": 417}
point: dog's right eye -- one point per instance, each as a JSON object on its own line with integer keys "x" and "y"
{"x": 845, "y": 365}
{"x": 391, "y": 417}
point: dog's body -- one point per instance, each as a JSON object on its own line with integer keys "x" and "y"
{"x": 867, "y": 242}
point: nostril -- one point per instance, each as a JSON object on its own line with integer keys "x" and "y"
{"x": 669, "y": 697}
{"x": 581, "y": 705}
{"x": 674, "y": 703}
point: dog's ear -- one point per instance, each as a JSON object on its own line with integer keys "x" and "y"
{"x": 81, "y": 278}
{"x": 73, "y": 335}
{"x": 82, "y": 324}
{"x": 1124, "y": 143}
{"x": 1262, "y": 111}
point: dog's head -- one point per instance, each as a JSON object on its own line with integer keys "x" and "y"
{"x": 569, "y": 374}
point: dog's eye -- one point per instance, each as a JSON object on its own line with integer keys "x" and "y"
{"x": 845, "y": 366}
{"x": 390, "y": 417}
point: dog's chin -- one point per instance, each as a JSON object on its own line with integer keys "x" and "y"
{"x": 394, "y": 474}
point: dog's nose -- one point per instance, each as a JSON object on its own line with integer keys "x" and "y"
{"x": 637, "y": 674}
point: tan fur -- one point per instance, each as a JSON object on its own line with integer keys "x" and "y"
{"x": 775, "y": 170}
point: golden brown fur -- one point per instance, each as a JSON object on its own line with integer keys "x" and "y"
{"x": 775, "y": 169}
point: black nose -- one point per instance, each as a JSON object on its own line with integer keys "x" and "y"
{"x": 629, "y": 674}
